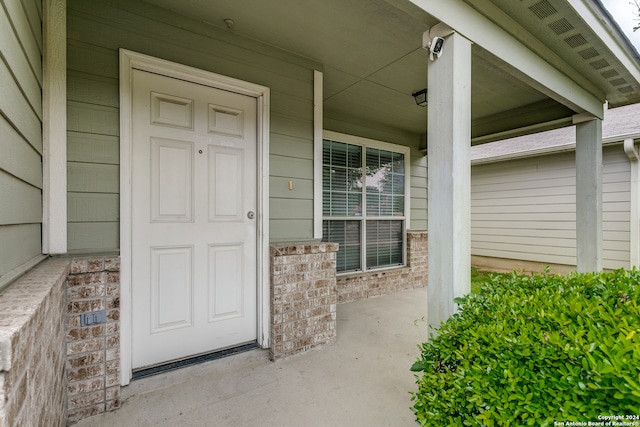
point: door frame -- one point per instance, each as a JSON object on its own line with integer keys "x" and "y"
{"x": 128, "y": 62}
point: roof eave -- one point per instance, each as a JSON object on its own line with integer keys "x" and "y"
{"x": 613, "y": 140}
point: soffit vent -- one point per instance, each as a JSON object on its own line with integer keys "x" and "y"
{"x": 561, "y": 26}
{"x": 599, "y": 64}
{"x": 609, "y": 73}
{"x": 543, "y": 9}
{"x": 618, "y": 82}
{"x": 575, "y": 40}
{"x": 588, "y": 53}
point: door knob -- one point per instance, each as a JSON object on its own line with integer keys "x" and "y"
{"x": 251, "y": 215}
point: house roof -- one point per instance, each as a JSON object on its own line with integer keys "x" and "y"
{"x": 619, "y": 124}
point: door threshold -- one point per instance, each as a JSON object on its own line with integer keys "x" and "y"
{"x": 193, "y": 360}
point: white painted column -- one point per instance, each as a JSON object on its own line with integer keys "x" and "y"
{"x": 634, "y": 211}
{"x": 449, "y": 174}
{"x": 54, "y": 128}
{"x": 589, "y": 195}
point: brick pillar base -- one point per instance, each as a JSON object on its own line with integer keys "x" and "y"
{"x": 303, "y": 297}
{"x": 367, "y": 284}
{"x": 93, "y": 351}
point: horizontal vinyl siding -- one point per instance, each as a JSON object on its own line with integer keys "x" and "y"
{"x": 525, "y": 209}
{"x": 616, "y": 207}
{"x": 418, "y": 190}
{"x": 20, "y": 133}
{"x": 95, "y": 31}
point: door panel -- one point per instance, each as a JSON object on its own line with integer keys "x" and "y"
{"x": 194, "y": 251}
{"x": 171, "y": 180}
{"x": 227, "y": 181}
{"x": 225, "y": 300}
{"x": 171, "y": 288}
{"x": 226, "y": 121}
{"x": 171, "y": 111}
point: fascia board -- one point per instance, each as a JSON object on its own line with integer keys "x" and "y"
{"x": 598, "y": 22}
{"x": 613, "y": 140}
{"x": 535, "y": 70}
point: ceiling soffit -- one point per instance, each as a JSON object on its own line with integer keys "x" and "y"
{"x": 576, "y": 50}
{"x": 372, "y": 59}
{"x": 358, "y": 37}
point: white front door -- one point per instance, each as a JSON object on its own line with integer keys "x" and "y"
{"x": 193, "y": 227}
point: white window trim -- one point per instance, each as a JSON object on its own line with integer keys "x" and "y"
{"x": 380, "y": 145}
{"x": 317, "y": 154}
{"x": 128, "y": 62}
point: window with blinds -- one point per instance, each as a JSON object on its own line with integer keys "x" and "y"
{"x": 364, "y": 205}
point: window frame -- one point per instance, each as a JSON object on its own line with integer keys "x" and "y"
{"x": 365, "y": 143}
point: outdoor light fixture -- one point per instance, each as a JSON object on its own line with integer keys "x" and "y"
{"x": 420, "y": 97}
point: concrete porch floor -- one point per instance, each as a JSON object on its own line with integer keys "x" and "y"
{"x": 361, "y": 380}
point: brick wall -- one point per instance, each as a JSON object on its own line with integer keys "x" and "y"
{"x": 357, "y": 286}
{"x": 53, "y": 370}
{"x": 93, "y": 351}
{"x": 303, "y": 298}
{"x": 32, "y": 349}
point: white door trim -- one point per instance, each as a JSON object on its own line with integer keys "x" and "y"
{"x": 131, "y": 60}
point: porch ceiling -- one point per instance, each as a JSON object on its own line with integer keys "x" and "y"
{"x": 373, "y": 61}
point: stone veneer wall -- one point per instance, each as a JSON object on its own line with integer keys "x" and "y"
{"x": 93, "y": 352}
{"x": 357, "y": 286}
{"x": 303, "y": 297}
{"x": 32, "y": 348}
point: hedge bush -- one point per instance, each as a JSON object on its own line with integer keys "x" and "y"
{"x": 531, "y": 350}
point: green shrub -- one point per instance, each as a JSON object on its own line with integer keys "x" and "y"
{"x": 531, "y": 350}
{"x": 480, "y": 277}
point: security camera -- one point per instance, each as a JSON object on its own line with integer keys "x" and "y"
{"x": 435, "y": 47}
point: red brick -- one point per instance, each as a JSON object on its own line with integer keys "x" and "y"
{"x": 85, "y": 346}
{"x": 113, "y": 405}
{"x": 86, "y": 359}
{"x": 85, "y": 386}
{"x": 85, "y": 333}
{"x": 76, "y": 307}
{"x": 79, "y": 374}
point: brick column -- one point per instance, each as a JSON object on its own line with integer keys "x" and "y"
{"x": 418, "y": 257}
{"x": 93, "y": 351}
{"x": 303, "y": 297}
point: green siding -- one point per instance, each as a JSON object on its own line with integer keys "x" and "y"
{"x": 284, "y": 145}
{"x": 93, "y": 236}
{"x": 21, "y": 202}
{"x": 279, "y": 189}
{"x": 18, "y": 244}
{"x": 418, "y": 190}
{"x": 102, "y": 207}
{"x": 92, "y": 89}
{"x": 288, "y": 230}
{"x": 20, "y": 134}
{"x": 96, "y": 30}
{"x": 91, "y": 148}
{"x": 18, "y": 157}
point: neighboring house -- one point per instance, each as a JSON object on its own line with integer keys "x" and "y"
{"x": 221, "y": 174}
{"x": 523, "y": 198}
